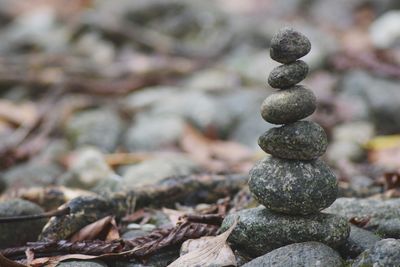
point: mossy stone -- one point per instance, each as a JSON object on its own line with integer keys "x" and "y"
{"x": 288, "y": 45}
{"x": 302, "y": 140}
{"x": 384, "y": 253}
{"x": 310, "y": 254}
{"x": 293, "y": 186}
{"x": 260, "y": 230}
{"x": 288, "y": 75}
{"x": 289, "y": 105}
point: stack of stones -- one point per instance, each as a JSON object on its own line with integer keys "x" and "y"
{"x": 292, "y": 184}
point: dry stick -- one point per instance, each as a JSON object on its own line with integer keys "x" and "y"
{"x": 22, "y": 144}
{"x": 190, "y": 188}
{"x": 49, "y": 214}
{"x": 140, "y": 247}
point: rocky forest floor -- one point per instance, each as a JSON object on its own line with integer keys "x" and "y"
{"x": 129, "y": 127}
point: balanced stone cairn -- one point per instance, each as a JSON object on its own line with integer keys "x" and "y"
{"x": 292, "y": 184}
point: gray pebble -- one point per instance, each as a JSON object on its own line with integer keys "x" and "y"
{"x": 154, "y": 170}
{"x": 260, "y": 230}
{"x": 292, "y": 186}
{"x": 310, "y": 254}
{"x": 385, "y": 253}
{"x": 288, "y": 75}
{"x": 289, "y": 45}
{"x": 154, "y": 132}
{"x": 18, "y": 233}
{"x": 383, "y": 215}
{"x": 358, "y": 241}
{"x": 98, "y": 127}
{"x": 289, "y": 105}
{"x": 302, "y": 140}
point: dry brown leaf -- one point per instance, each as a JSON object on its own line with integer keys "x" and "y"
{"x": 117, "y": 159}
{"x": 173, "y": 215}
{"x": 113, "y": 233}
{"x": 216, "y": 155}
{"x": 20, "y": 114}
{"x": 54, "y": 261}
{"x": 207, "y": 251}
{"x": 387, "y": 158}
{"x": 93, "y": 230}
{"x": 9, "y": 263}
{"x": 30, "y": 256}
{"x": 49, "y": 197}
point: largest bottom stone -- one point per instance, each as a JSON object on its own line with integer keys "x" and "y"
{"x": 260, "y": 230}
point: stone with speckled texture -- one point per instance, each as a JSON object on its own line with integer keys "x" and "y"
{"x": 260, "y": 230}
{"x": 302, "y": 140}
{"x": 310, "y": 254}
{"x": 293, "y": 186}
{"x": 385, "y": 253}
{"x": 288, "y": 75}
{"x": 289, "y": 105}
{"x": 288, "y": 45}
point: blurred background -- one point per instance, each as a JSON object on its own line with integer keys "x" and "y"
{"x": 103, "y": 95}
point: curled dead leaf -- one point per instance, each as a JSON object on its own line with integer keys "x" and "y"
{"x": 105, "y": 226}
{"x": 207, "y": 251}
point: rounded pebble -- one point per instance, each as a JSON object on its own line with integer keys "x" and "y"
{"x": 299, "y": 254}
{"x": 259, "y": 230}
{"x": 384, "y": 253}
{"x": 292, "y": 186}
{"x": 302, "y": 140}
{"x": 289, "y": 45}
{"x": 289, "y": 105}
{"x": 18, "y": 233}
{"x": 288, "y": 75}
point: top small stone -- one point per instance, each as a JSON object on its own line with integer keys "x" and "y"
{"x": 289, "y": 45}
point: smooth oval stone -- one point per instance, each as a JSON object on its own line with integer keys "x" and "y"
{"x": 288, "y": 45}
{"x": 18, "y": 233}
{"x": 310, "y": 254}
{"x": 289, "y": 105}
{"x": 302, "y": 140}
{"x": 292, "y": 186}
{"x": 288, "y": 75}
{"x": 384, "y": 253}
{"x": 260, "y": 230}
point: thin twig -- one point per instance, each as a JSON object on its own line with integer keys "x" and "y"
{"x": 49, "y": 214}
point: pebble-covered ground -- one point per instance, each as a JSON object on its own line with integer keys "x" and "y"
{"x": 130, "y": 114}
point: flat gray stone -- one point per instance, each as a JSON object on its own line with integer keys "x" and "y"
{"x": 292, "y": 186}
{"x": 309, "y": 254}
{"x": 385, "y": 253}
{"x": 289, "y": 45}
{"x": 98, "y": 127}
{"x": 31, "y": 174}
{"x": 150, "y": 133}
{"x": 88, "y": 168}
{"x": 288, "y": 75}
{"x": 383, "y": 215}
{"x": 358, "y": 241}
{"x": 18, "y": 233}
{"x": 289, "y": 105}
{"x": 154, "y": 170}
{"x": 302, "y": 140}
{"x": 260, "y": 230}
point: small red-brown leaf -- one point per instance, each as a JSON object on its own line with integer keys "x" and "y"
{"x": 93, "y": 230}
